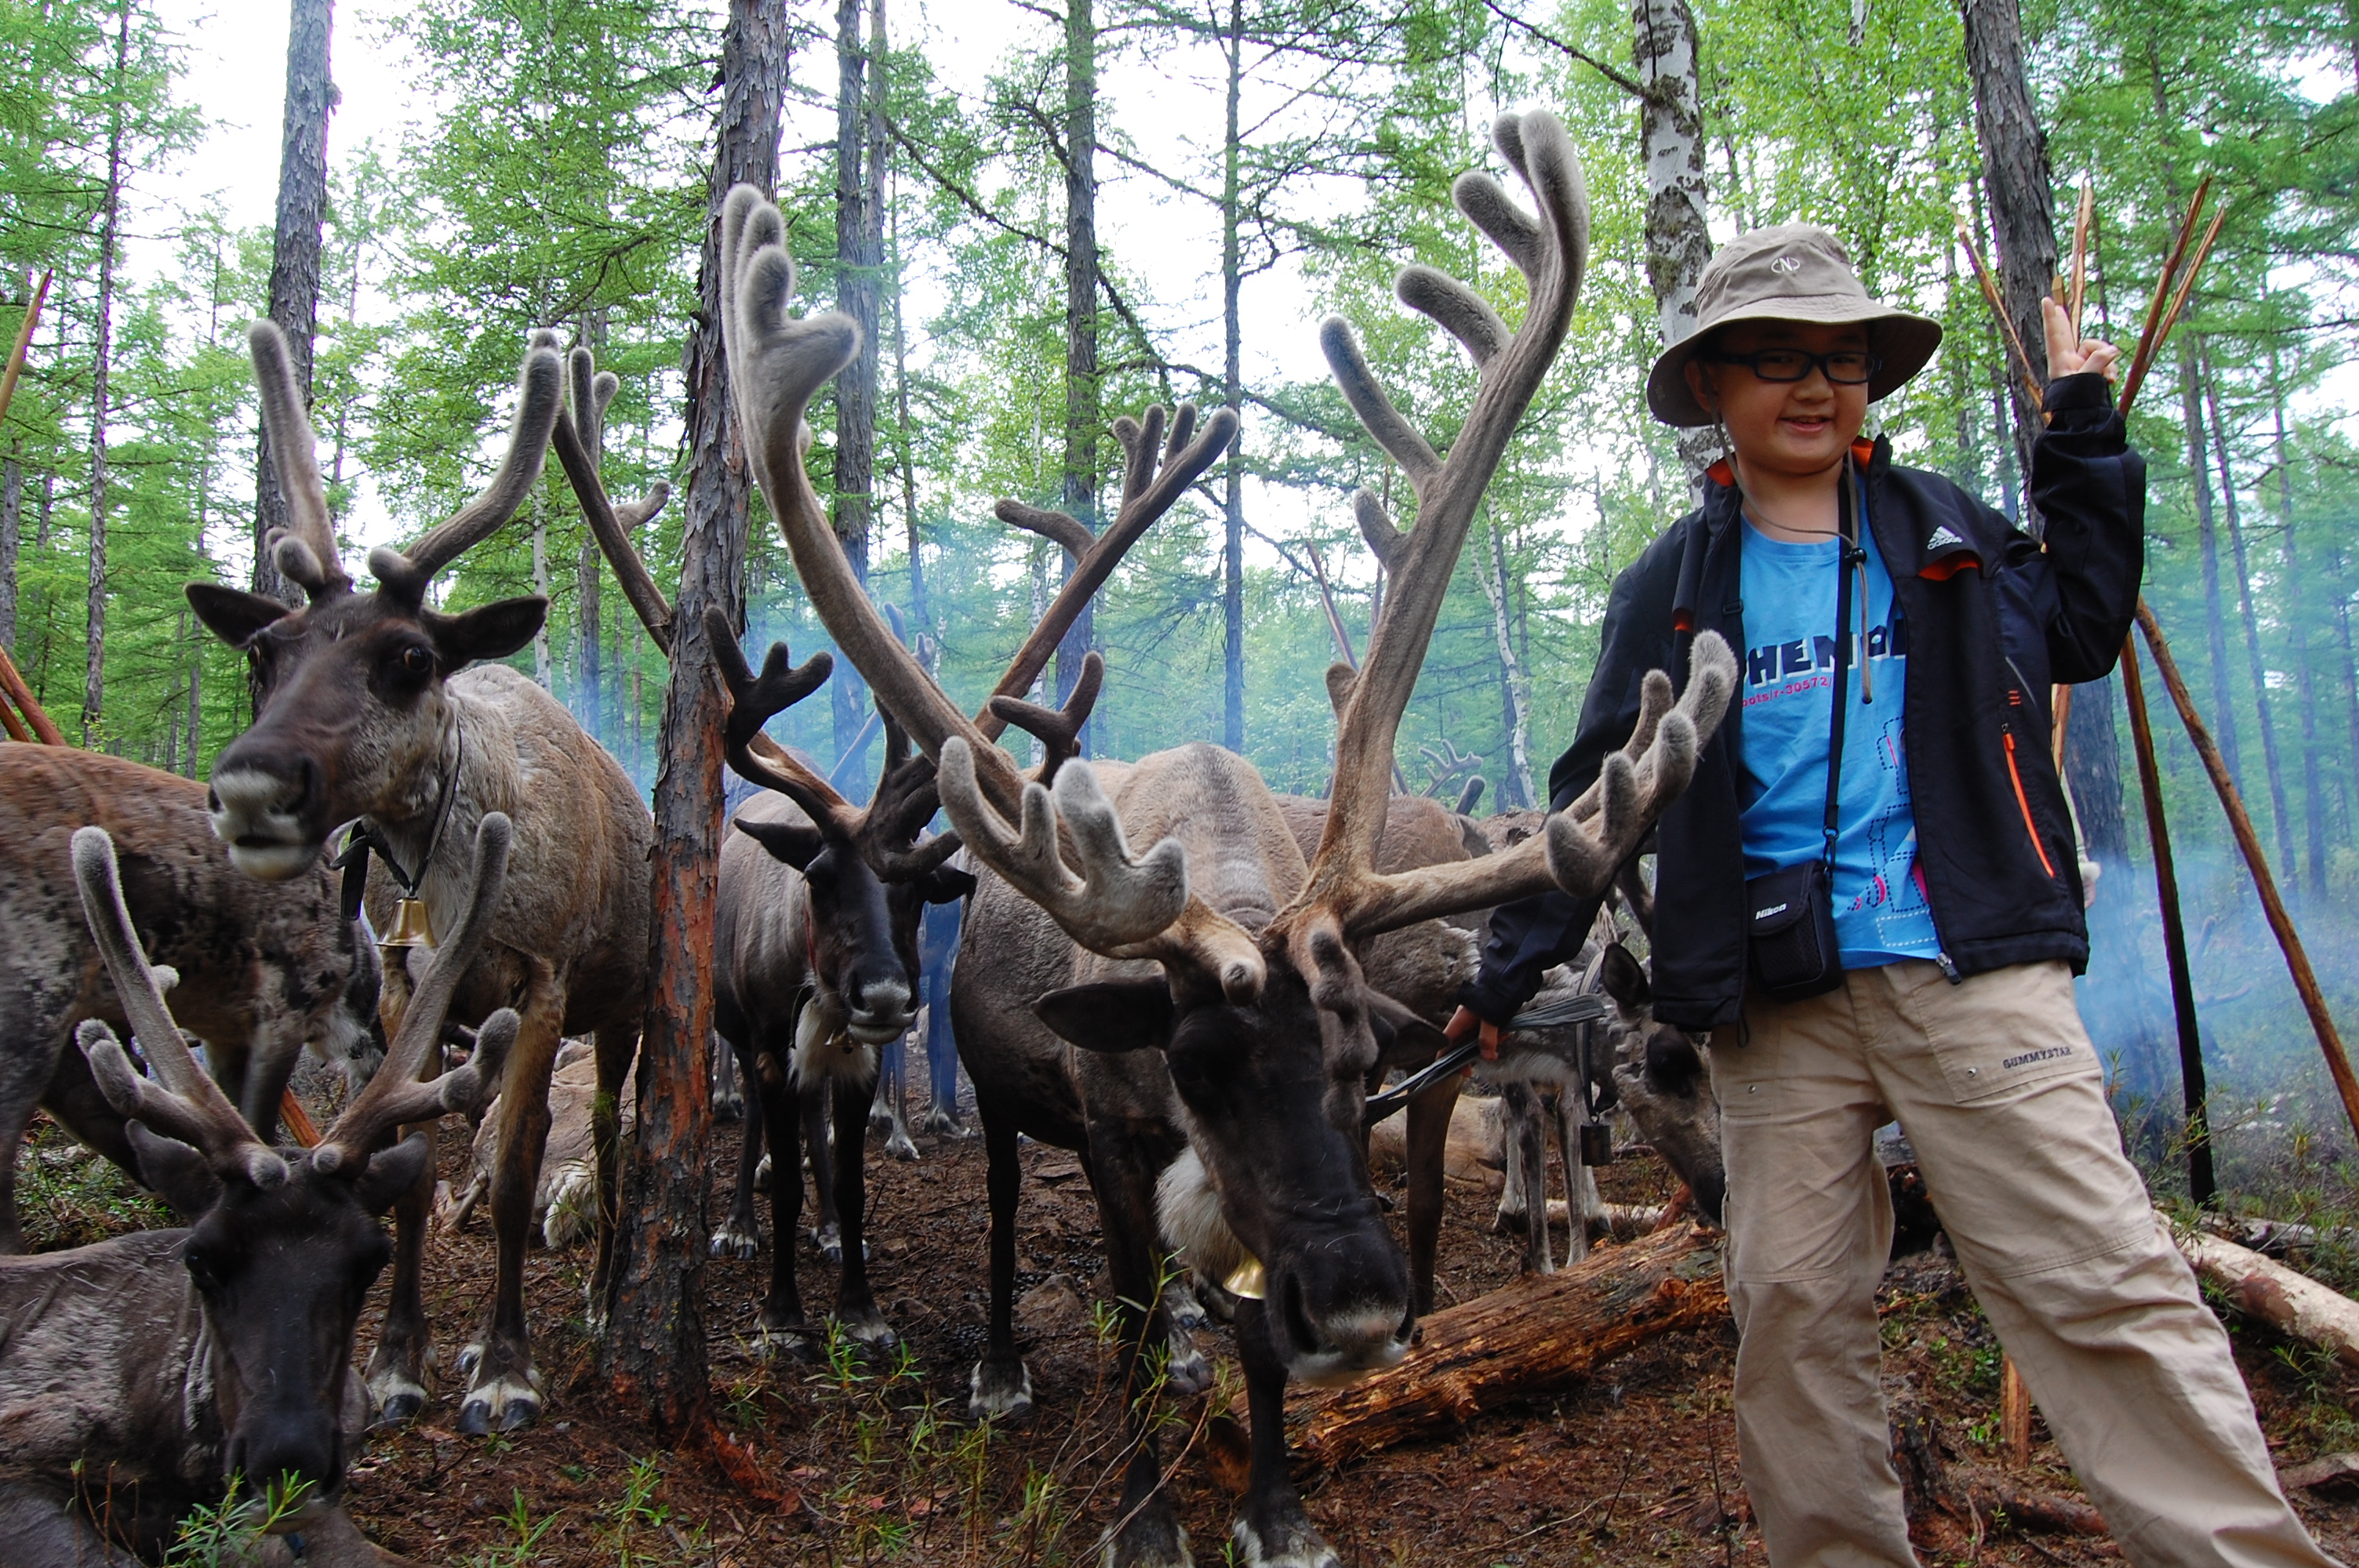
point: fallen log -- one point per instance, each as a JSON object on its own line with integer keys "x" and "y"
{"x": 2257, "y": 1287}
{"x": 1538, "y": 1335}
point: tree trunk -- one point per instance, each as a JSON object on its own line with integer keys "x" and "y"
{"x": 196, "y": 702}
{"x": 591, "y": 680}
{"x": 1082, "y": 409}
{"x": 654, "y": 1345}
{"x": 540, "y": 671}
{"x": 2313, "y": 792}
{"x": 1679, "y": 242}
{"x": 1232, "y": 499}
{"x": 2093, "y": 765}
{"x": 2022, "y": 195}
{"x": 12, "y": 519}
{"x": 2261, "y": 715}
{"x": 1516, "y": 778}
{"x": 918, "y": 612}
{"x": 295, "y": 249}
{"x": 1536, "y": 1335}
{"x": 2215, "y": 620}
{"x": 93, "y": 689}
{"x": 855, "y": 389}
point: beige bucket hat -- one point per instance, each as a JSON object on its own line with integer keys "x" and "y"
{"x": 1794, "y": 272}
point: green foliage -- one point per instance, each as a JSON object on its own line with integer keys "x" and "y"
{"x": 67, "y": 1196}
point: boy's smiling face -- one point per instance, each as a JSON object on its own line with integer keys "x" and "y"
{"x": 1793, "y": 429}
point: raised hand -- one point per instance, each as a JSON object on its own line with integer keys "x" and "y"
{"x": 2069, "y": 353}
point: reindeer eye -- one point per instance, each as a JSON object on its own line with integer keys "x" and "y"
{"x": 417, "y": 661}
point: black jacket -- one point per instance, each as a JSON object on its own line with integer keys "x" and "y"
{"x": 1994, "y": 621}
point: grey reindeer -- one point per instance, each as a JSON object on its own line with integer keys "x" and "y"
{"x": 265, "y": 970}
{"x": 367, "y": 709}
{"x": 138, "y": 1375}
{"x": 1195, "y": 1020}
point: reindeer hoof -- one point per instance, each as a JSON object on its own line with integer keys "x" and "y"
{"x": 1152, "y": 1539}
{"x": 942, "y": 1124}
{"x": 470, "y": 1358}
{"x": 729, "y": 1241}
{"x": 898, "y": 1146}
{"x": 796, "y": 1343}
{"x": 398, "y": 1399}
{"x": 505, "y": 1404}
{"x": 869, "y": 1332}
{"x": 994, "y": 1394}
{"x": 1189, "y": 1372}
{"x": 1290, "y": 1542}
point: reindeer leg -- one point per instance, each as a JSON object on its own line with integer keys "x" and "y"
{"x": 505, "y": 1393}
{"x": 740, "y": 1235}
{"x": 1524, "y": 1204}
{"x": 785, "y": 1115}
{"x": 617, "y": 1046}
{"x": 1001, "y": 1384}
{"x": 1125, "y": 1182}
{"x": 941, "y": 1056}
{"x": 1428, "y": 1146}
{"x": 828, "y": 1234}
{"x": 32, "y": 1053}
{"x": 855, "y": 1306}
{"x": 1271, "y": 1528}
{"x": 405, "y": 1346}
{"x": 728, "y": 1081}
{"x": 1578, "y": 1180}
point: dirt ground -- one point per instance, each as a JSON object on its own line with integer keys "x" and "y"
{"x": 873, "y": 1464}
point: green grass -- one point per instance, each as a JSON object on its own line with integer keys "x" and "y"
{"x": 67, "y": 1196}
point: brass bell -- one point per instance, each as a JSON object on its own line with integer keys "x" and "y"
{"x": 412, "y": 928}
{"x": 1249, "y": 1280}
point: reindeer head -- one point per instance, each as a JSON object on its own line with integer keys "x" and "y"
{"x": 352, "y": 717}
{"x": 869, "y": 875}
{"x": 1664, "y": 1083}
{"x": 1268, "y": 1033}
{"x": 282, "y": 1244}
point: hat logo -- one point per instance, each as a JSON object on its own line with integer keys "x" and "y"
{"x": 1785, "y": 265}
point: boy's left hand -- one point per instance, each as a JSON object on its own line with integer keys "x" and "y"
{"x": 2068, "y": 354}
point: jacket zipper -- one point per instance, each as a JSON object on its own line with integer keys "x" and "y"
{"x": 2024, "y": 801}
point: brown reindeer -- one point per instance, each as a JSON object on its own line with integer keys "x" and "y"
{"x": 263, "y": 970}
{"x": 367, "y": 709}
{"x": 1205, "y": 1030}
{"x": 138, "y": 1374}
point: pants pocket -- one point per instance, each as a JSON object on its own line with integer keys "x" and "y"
{"x": 1743, "y": 1059}
{"x": 2004, "y": 1035}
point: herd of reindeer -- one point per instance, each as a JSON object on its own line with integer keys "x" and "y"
{"x": 1194, "y": 982}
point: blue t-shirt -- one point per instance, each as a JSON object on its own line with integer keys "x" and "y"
{"x": 1880, "y": 906}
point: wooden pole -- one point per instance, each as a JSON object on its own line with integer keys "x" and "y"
{"x": 2151, "y": 335}
{"x": 2305, "y": 979}
{"x": 2014, "y": 1412}
{"x": 24, "y": 342}
{"x": 2174, "y": 934}
{"x": 1998, "y": 309}
{"x": 12, "y": 687}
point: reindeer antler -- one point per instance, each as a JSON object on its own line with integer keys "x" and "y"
{"x": 397, "y": 1094}
{"x": 539, "y": 394}
{"x": 1059, "y": 730}
{"x": 182, "y": 1101}
{"x": 1344, "y": 894}
{"x": 579, "y": 437}
{"x": 777, "y": 365}
{"x": 305, "y": 550}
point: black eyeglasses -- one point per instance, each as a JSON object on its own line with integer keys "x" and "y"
{"x": 1844, "y": 367}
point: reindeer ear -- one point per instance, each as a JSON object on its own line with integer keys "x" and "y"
{"x": 948, "y": 884}
{"x": 391, "y": 1173}
{"x": 796, "y": 843}
{"x": 1397, "y": 1027}
{"x": 1111, "y": 1016}
{"x": 1625, "y": 979}
{"x": 233, "y": 614}
{"x": 489, "y": 631}
{"x": 174, "y": 1172}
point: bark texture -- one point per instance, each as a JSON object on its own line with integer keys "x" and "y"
{"x": 12, "y": 521}
{"x": 858, "y": 260}
{"x": 1081, "y": 407}
{"x": 654, "y": 1345}
{"x": 1679, "y": 242}
{"x": 93, "y": 690}
{"x": 2215, "y": 617}
{"x": 2021, "y": 192}
{"x": 2255, "y": 664}
{"x": 1541, "y": 1333}
{"x": 2313, "y": 792}
{"x": 295, "y": 249}
{"x": 1232, "y": 496}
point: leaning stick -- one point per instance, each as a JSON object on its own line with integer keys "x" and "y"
{"x": 2178, "y": 302}
{"x": 24, "y": 344}
{"x": 1998, "y": 309}
{"x": 12, "y": 687}
{"x": 2305, "y": 979}
{"x": 2083, "y": 218}
{"x": 2151, "y": 335}
{"x": 2200, "y": 1182}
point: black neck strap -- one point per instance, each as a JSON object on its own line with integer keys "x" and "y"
{"x": 1849, "y": 554}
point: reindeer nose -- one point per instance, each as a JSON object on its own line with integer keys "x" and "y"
{"x": 279, "y": 1448}
{"x": 241, "y": 788}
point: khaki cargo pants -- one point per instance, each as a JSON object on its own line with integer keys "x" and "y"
{"x": 2000, "y": 1093}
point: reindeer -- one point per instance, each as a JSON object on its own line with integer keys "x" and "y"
{"x": 1203, "y": 1032}
{"x": 815, "y": 940}
{"x": 264, "y": 971}
{"x": 367, "y": 709}
{"x": 137, "y": 1373}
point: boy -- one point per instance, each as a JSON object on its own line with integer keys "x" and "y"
{"x": 1930, "y": 849}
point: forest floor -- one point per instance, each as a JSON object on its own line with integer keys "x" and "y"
{"x": 872, "y": 1464}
